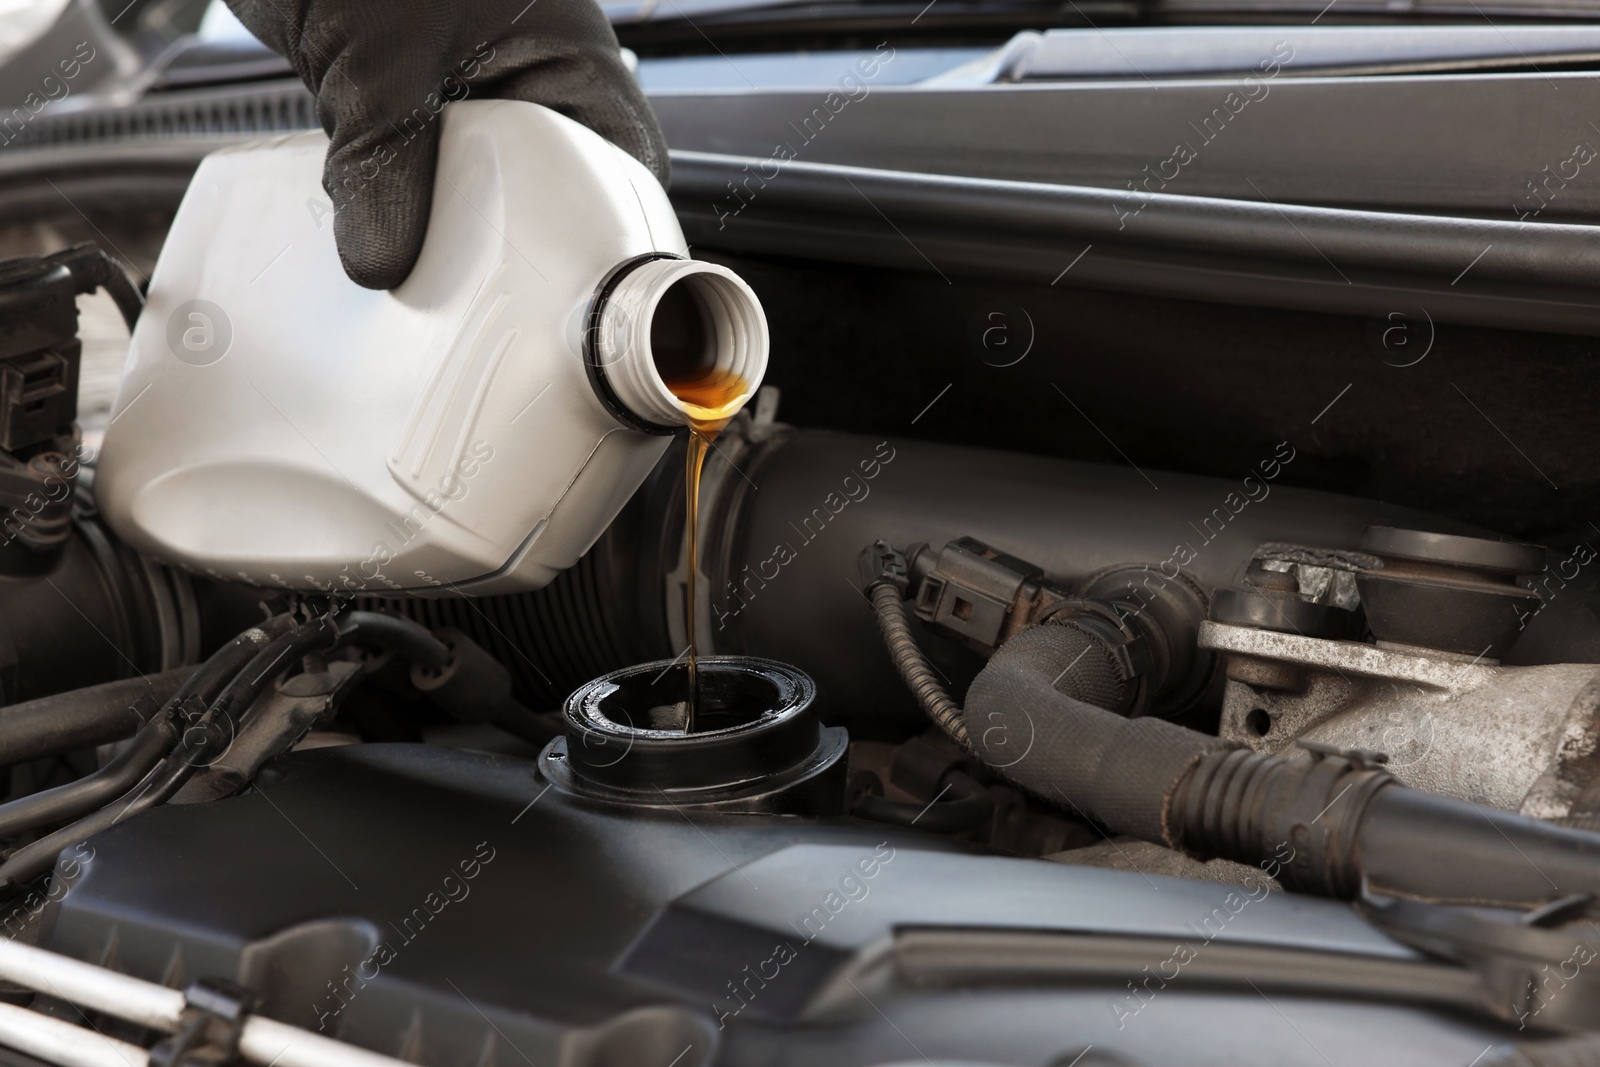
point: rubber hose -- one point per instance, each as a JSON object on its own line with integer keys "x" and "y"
{"x": 152, "y": 742}
{"x": 474, "y": 687}
{"x": 199, "y": 743}
{"x": 1115, "y": 771}
{"x": 281, "y": 653}
{"x": 84, "y": 718}
{"x": 223, "y": 664}
{"x": 393, "y": 633}
{"x": 68, "y": 801}
{"x": 1420, "y": 844}
{"x": 1334, "y": 823}
{"x": 32, "y": 860}
{"x": 1337, "y": 820}
{"x": 91, "y": 267}
{"x": 914, "y": 666}
{"x": 129, "y": 301}
{"x": 970, "y": 806}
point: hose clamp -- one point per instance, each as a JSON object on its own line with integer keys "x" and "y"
{"x": 208, "y": 1033}
{"x": 1322, "y": 818}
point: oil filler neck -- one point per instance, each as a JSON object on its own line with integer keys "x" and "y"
{"x": 757, "y": 745}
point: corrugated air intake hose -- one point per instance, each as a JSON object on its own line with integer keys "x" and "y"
{"x": 1329, "y": 822}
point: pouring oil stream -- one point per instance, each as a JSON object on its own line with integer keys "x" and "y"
{"x": 710, "y": 401}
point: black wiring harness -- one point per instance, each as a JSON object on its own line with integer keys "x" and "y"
{"x": 200, "y": 721}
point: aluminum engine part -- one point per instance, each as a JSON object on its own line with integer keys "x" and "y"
{"x": 1519, "y": 738}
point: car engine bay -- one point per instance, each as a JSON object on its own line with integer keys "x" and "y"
{"x": 954, "y": 733}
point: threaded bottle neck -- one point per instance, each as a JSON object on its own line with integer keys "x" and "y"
{"x": 668, "y": 330}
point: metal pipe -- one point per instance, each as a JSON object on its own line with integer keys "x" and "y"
{"x": 266, "y": 1041}
{"x": 64, "y": 1043}
{"x": 261, "y": 1041}
{"x": 89, "y": 986}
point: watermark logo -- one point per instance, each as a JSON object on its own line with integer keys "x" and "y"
{"x": 1001, "y": 333}
{"x": 853, "y": 488}
{"x": 453, "y": 888}
{"x": 206, "y": 741}
{"x": 1408, "y": 736}
{"x": 1153, "y": 978}
{"x": 595, "y": 741}
{"x": 51, "y": 90}
{"x": 1538, "y": 190}
{"x": 1252, "y": 88}
{"x": 1401, "y": 338}
{"x": 1001, "y": 748}
{"x": 199, "y": 332}
{"x": 853, "y": 87}
{"x": 852, "y": 887}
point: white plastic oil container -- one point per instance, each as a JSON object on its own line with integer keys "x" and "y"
{"x": 477, "y": 427}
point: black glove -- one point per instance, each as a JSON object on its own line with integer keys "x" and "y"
{"x": 383, "y": 69}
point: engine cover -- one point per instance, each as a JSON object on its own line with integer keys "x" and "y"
{"x": 455, "y": 908}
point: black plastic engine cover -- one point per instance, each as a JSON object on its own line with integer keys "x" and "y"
{"x": 453, "y": 909}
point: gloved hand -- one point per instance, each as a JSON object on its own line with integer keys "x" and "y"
{"x": 383, "y": 69}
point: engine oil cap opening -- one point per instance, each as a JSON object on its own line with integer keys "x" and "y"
{"x": 733, "y": 694}
{"x": 757, "y": 744}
